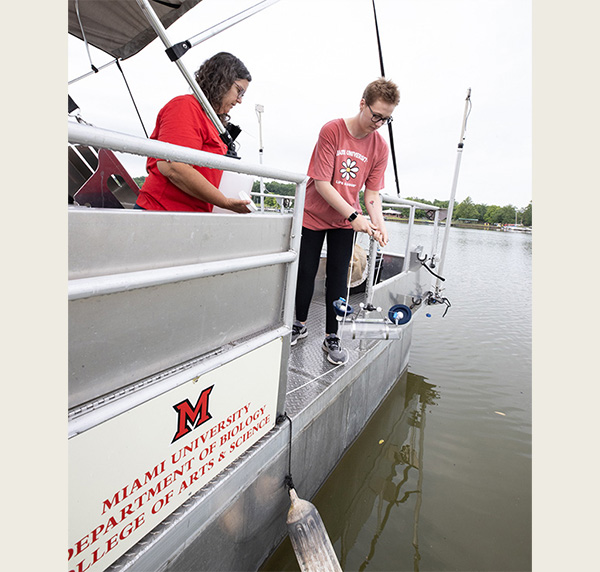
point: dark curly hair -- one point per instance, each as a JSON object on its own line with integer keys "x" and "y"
{"x": 216, "y": 76}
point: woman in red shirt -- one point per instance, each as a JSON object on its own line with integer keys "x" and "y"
{"x": 173, "y": 186}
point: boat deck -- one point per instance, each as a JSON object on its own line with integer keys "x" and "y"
{"x": 309, "y": 371}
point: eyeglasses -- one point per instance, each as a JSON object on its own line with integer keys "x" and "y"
{"x": 241, "y": 91}
{"x": 377, "y": 117}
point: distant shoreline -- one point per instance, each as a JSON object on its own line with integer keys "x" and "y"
{"x": 476, "y": 226}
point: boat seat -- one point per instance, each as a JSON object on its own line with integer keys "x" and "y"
{"x": 98, "y": 179}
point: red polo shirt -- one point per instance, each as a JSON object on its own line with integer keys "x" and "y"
{"x": 182, "y": 121}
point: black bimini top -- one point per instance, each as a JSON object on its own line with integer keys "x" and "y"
{"x": 119, "y": 27}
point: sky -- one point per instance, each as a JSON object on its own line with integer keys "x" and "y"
{"x": 310, "y": 61}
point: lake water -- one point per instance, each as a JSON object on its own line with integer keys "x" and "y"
{"x": 441, "y": 477}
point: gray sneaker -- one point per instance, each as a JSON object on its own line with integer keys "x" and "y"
{"x": 335, "y": 353}
{"x": 298, "y": 331}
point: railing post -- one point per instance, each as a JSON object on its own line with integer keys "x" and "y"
{"x": 436, "y": 229}
{"x": 411, "y": 220}
{"x": 289, "y": 301}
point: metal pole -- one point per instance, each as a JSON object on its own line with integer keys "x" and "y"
{"x": 91, "y": 287}
{"x": 92, "y": 72}
{"x": 371, "y": 264}
{"x": 411, "y": 220}
{"x": 454, "y": 184}
{"x": 296, "y": 234}
{"x": 259, "y": 111}
{"x": 125, "y": 143}
{"x": 406, "y": 203}
{"x": 436, "y": 231}
{"x": 369, "y": 289}
{"x": 290, "y": 290}
{"x": 162, "y": 34}
{"x": 218, "y": 28}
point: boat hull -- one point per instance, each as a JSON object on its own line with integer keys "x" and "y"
{"x": 239, "y": 520}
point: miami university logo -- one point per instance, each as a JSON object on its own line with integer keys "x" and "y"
{"x": 191, "y": 416}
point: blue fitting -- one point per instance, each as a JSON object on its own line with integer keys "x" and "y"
{"x": 342, "y": 308}
{"x": 399, "y": 314}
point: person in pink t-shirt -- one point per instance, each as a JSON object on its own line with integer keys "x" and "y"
{"x": 173, "y": 186}
{"x": 349, "y": 155}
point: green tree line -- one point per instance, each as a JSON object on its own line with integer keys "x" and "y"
{"x": 482, "y": 213}
{"x": 275, "y": 188}
{"x": 467, "y": 209}
{"x": 493, "y": 214}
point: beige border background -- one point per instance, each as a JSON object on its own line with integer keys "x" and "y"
{"x": 566, "y": 341}
{"x": 34, "y": 259}
{"x": 566, "y": 344}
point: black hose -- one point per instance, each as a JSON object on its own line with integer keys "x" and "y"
{"x": 423, "y": 261}
{"x": 132, "y": 99}
{"x": 289, "y": 483}
{"x": 432, "y": 272}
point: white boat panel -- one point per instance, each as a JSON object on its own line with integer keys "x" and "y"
{"x": 128, "y": 474}
{"x": 109, "y": 241}
{"x": 117, "y": 339}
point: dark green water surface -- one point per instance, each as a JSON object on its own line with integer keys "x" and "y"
{"x": 440, "y": 479}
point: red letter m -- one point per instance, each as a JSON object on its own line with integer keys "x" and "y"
{"x": 195, "y": 415}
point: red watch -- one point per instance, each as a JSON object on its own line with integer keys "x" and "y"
{"x": 352, "y": 216}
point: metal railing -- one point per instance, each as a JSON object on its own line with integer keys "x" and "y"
{"x": 125, "y": 143}
{"x": 396, "y": 202}
{"x": 121, "y": 282}
{"x": 103, "y": 138}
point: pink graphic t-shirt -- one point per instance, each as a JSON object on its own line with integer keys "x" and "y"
{"x": 349, "y": 164}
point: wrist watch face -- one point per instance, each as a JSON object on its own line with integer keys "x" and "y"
{"x": 352, "y": 216}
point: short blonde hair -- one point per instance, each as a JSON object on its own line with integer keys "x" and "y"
{"x": 383, "y": 89}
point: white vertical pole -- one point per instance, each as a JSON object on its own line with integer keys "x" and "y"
{"x": 453, "y": 192}
{"x": 259, "y": 111}
{"x": 371, "y": 264}
{"x": 436, "y": 232}
{"x": 411, "y": 220}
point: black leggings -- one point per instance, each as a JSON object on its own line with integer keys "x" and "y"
{"x": 339, "y": 251}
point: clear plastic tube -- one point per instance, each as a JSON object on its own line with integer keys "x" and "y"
{"x": 369, "y": 329}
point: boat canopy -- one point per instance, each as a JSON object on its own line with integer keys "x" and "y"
{"x": 119, "y": 27}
